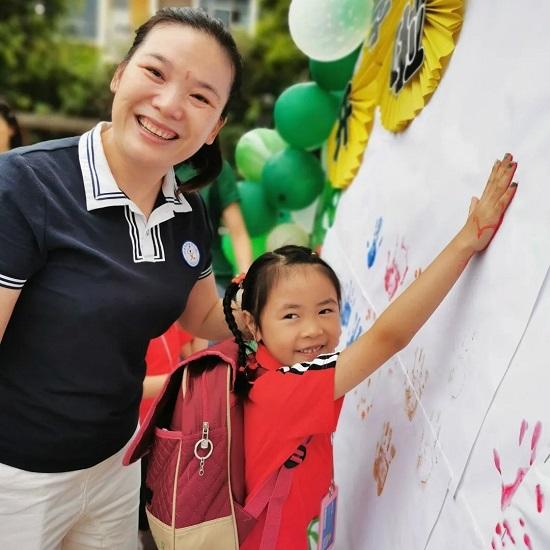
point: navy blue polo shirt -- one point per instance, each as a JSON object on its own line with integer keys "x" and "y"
{"x": 98, "y": 280}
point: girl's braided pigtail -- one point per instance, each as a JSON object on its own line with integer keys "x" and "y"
{"x": 242, "y": 384}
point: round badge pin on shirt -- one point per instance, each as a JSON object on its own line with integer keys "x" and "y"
{"x": 190, "y": 253}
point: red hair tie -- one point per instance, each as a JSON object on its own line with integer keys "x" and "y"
{"x": 238, "y": 279}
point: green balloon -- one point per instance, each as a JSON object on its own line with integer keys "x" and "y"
{"x": 304, "y": 115}
{"x": 292, "y": 178}
{"x": 284, "y": 216}
{"x": 334, "y": 75}
{"x": 259, "y": 216}
{"x": 258, "y": 244}
{"x": 254, "y": 148}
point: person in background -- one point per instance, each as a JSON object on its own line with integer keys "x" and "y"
{"x": 222, "y": 203}
{"x": 101, "y": 250}
{"x": 10, "y": 133}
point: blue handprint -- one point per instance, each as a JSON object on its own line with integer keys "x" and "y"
{"x": 374, "y": 245}
{"x": 345, "y": 313}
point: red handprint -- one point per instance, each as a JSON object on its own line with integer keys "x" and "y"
{"x": 397, "y": 268}
{"x": 504, "y": 529}
{"x": 509, "y": 489}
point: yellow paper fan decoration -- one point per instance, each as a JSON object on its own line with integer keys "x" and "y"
{"x": 349, "y": 136}
{"x": 424, "y": 41}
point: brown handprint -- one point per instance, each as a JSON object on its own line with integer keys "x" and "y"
{"x": 428, "y": 452}
{"x": 364, "y": 404}
{"x": 385, "y": 453}
{"x": 458, "y": 372}
{"x": 415, "y": 383}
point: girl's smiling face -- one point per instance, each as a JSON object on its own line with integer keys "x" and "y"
{"x": 169, "y": 97}
{"x": 301, "y": 317}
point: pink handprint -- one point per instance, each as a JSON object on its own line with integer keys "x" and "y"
{"x": 509, "y": 489}
{"x": 396, "y": 269}
{"x": 504, "y": 529}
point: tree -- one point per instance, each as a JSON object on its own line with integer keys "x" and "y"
{"x": 42, "y": 71}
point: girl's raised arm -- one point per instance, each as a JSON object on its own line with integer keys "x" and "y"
{"x": 402, "y": 319}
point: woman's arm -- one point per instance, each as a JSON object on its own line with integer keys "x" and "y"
{"x": 402, "y": 319}
{"x": 203, "y": 315}
{"x": 8, "y": 298}
{"x": 233, "y": 220}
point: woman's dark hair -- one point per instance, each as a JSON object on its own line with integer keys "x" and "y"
{"x": 8, "y": 115}
{"x": 256, "y": 286}
{"x": 207, "y": 161}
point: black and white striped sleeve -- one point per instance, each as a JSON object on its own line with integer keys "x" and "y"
{"x": 322, "y": 362}
{"x": 22, "y": 223}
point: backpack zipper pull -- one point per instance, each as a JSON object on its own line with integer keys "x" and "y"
{"x": 203, "y": 447}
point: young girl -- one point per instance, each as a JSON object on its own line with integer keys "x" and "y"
{"x": 295, "y": 381}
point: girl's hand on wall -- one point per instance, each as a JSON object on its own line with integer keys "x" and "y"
{"x": 486, "y": 213}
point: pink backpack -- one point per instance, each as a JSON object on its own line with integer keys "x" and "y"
{"x": 195, "y": 475}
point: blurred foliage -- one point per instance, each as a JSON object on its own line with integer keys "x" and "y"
{"x": 41, "y": 70}
{"x": 271, "y": 63}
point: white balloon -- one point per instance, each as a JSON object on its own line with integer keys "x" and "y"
{"x": 327, "y": 30}
{"x": 286, "y": 233}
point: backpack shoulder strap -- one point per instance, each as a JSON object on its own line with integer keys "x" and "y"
{"x": 273, "y": 493}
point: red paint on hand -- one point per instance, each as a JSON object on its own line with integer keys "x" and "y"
{"x": 480, "y": 230}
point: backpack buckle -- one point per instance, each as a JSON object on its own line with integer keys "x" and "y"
{"x": 296, "y": 458}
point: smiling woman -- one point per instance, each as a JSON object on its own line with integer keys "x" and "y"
{"x": 102, "y": 249}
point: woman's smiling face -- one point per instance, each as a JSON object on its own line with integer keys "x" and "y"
{"x": 169, "y": 96}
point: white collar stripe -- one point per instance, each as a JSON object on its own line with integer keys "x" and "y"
{"x": 136, "y": 249}
{"x": 157, "y": 243}
{"x": 102, "y": 190}
{"x": 152, "y": 241}
{"x": 98, "y": 195}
